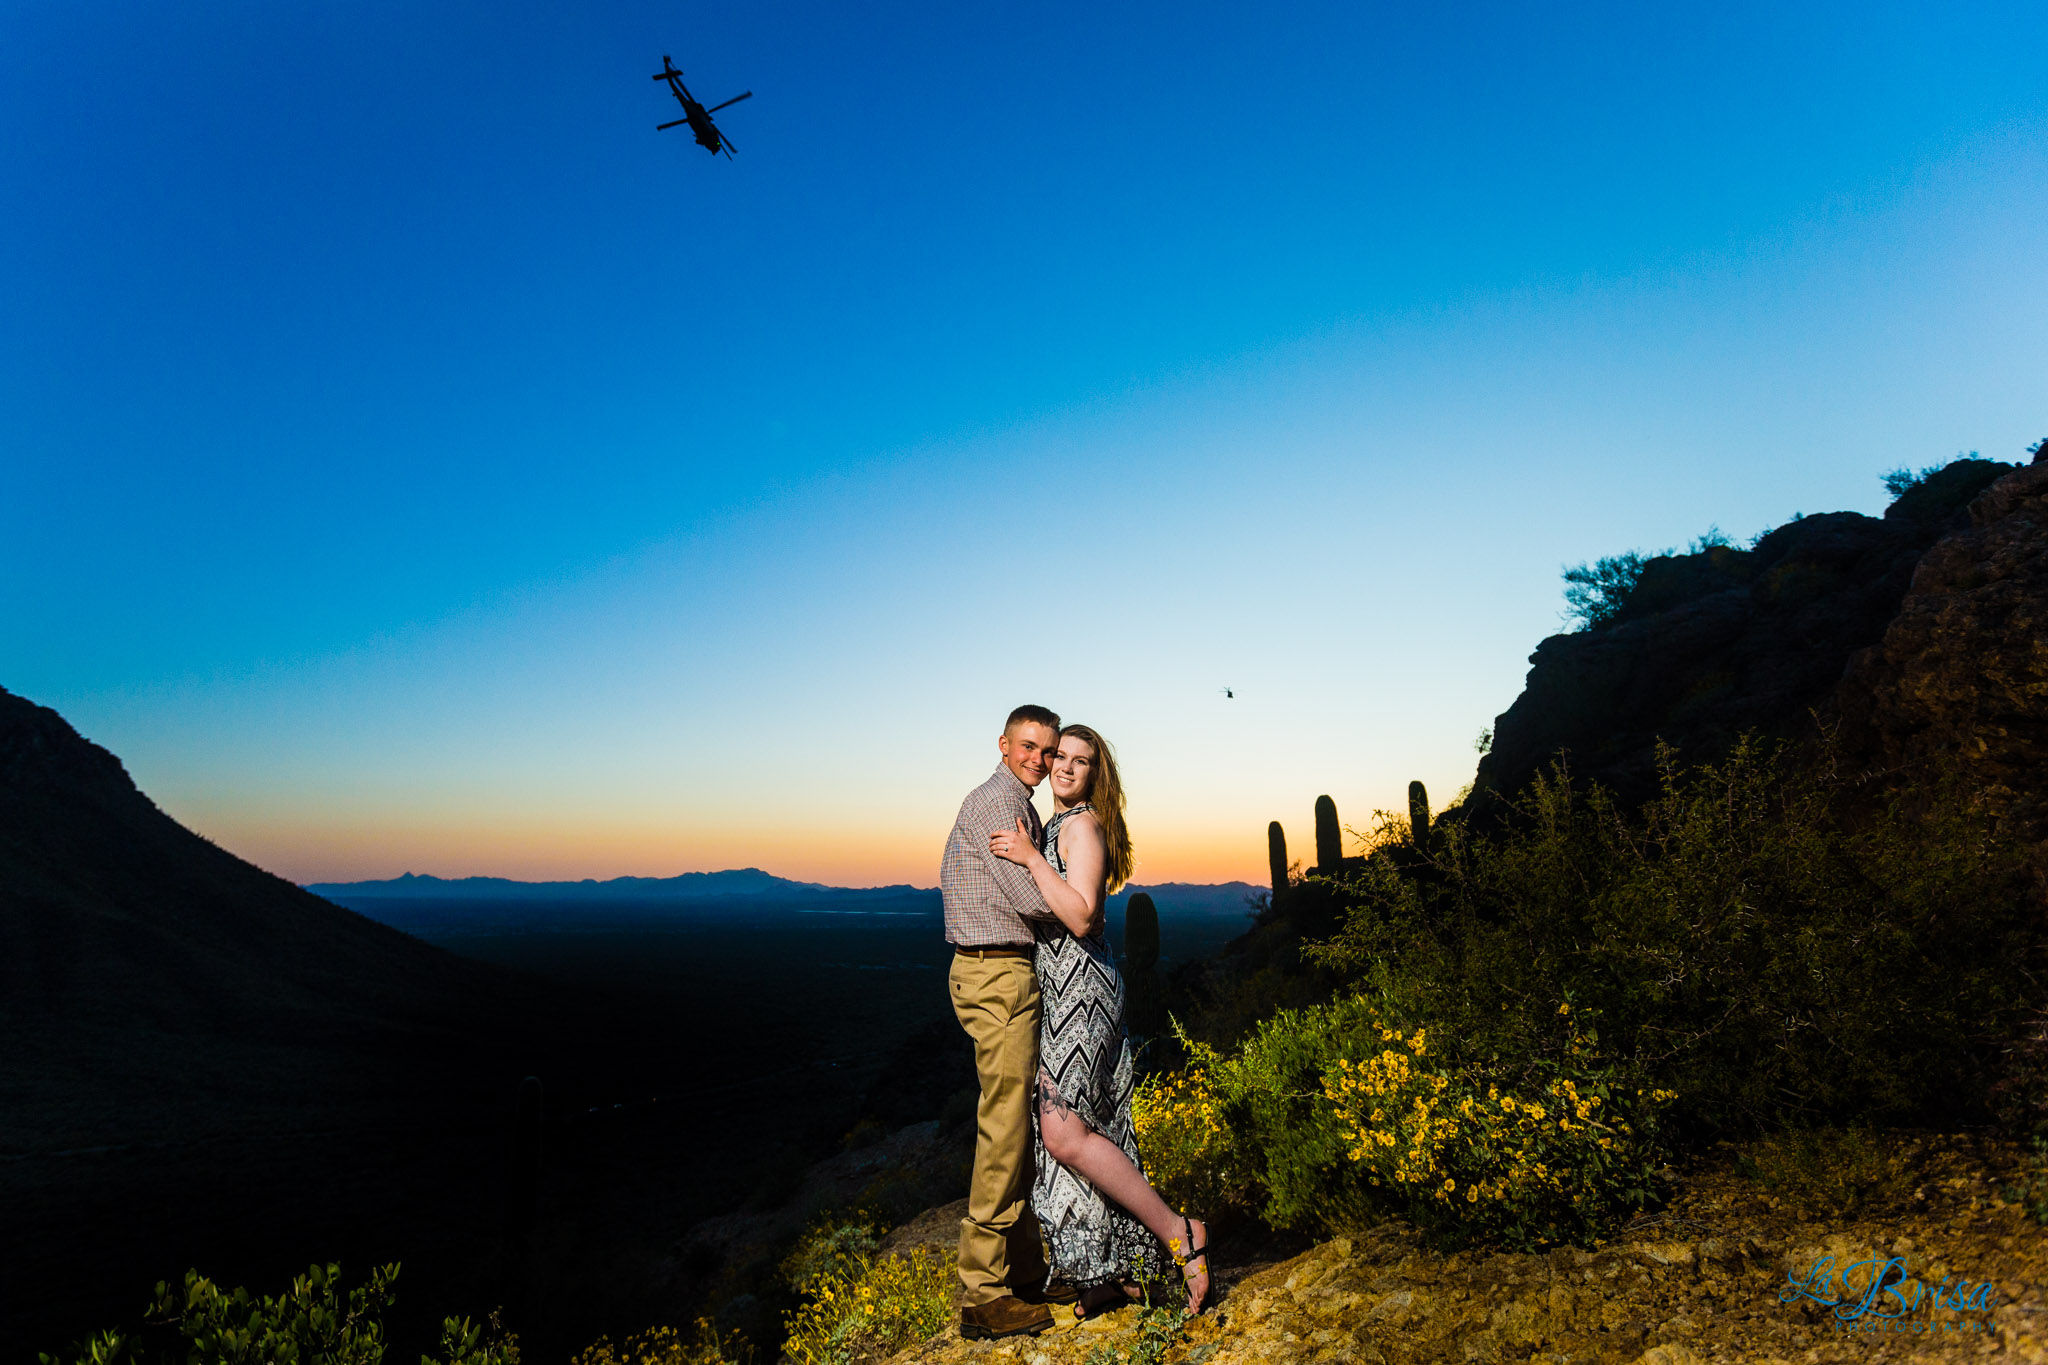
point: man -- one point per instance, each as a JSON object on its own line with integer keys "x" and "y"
{"x": 989, "y": 903}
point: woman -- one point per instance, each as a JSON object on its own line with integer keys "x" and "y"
{"x": 1105, "y": 1224}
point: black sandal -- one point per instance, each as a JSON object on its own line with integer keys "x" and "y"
{"x": 1187, "y": 1262}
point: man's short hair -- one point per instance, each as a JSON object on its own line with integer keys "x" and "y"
{"x": 1032, "y": 715}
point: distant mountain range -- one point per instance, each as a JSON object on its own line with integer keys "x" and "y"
{"x": 736, "y": 884}
{"x": 741, "y": 881}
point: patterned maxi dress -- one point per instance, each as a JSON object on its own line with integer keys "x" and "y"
{"x": 1084, "y": 1061}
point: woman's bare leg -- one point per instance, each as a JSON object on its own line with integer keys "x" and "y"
{"x": 1071, "y": 1142}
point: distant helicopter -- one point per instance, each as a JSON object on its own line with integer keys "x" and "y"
{"x": 695, "y": 114}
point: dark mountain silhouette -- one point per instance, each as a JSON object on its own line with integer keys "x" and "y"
{"x": 208, "y": 1066}
{"x": 147, "y": 975}
{"x": 1726, "y": 640}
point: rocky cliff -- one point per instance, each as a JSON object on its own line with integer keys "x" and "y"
{"x": 1725, "y": 640}
{"x": 1961, "y": 670}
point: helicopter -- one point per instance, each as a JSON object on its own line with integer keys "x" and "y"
{"x": 695, "y": 114}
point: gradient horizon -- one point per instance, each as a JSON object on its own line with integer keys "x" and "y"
{"x": 410, "y": 461}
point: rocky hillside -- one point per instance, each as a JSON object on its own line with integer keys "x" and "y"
{"x": 206, "y": 1066}
{"x": 1962, "y": 668}
{"x": 1710, "y": 644}
{"x": 153, "y": 985}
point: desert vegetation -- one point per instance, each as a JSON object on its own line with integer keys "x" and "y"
{"x": 1528, "y": 1022}
{"x": 315, "y": 1321}
{"x": 856, "y": 1304}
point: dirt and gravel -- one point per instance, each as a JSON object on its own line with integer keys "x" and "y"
{"x": 1715, "y": 1278}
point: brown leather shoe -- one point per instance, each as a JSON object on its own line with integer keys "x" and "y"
{"x": 1051, "y": 1293}
{"x": 1008, "y": 1316}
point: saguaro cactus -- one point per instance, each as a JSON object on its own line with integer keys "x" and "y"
{"x": 1141, "y": 933}
{"x": 1276, "y": 858}
{"x": 1143, "y": 998}
{"x": 1329, "y": 836}
{"x": 1418, "y": 814}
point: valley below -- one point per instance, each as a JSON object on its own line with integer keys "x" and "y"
{"x": 694, "y": 1060}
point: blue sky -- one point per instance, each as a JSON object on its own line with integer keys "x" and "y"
{"x": 415, "y": 461}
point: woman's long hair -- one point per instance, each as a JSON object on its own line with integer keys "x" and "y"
{"x": 1106, "y": 794}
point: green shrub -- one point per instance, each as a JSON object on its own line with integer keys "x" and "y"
{"x": 1160, "y": 1329}
{"x": 1340, "y": 1115}
{"x": 865, "y": 1307}
{"x": 1741, "y": 941}
{"x": 1595, "y": 594}
{"x": 1559, "y": 1149}
{"x": 666, "y": 1346}
{"x": 832, "y": 1245}
{"x": 101, "y": 1348}
{"x": 1899, "y": 482}
{"x": 312, "y": 1323}
{"x": 309, "y": 1323}
{"x": 1283, "y": 1150}
{"x": 1179, "y": 1118}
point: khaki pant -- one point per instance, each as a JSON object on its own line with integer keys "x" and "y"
{"x": 996, "y": 1000}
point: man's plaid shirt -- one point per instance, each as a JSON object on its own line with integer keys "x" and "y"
{"x": 989, "y": 899}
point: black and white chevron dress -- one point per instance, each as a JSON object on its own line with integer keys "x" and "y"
{"x": 1084, "y": 1061}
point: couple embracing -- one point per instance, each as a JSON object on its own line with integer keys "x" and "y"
{"x": 1035, "y": 987}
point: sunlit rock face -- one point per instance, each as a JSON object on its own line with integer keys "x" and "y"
{"x": 1962, "y": 669}
{"x": 1712, "y": 644}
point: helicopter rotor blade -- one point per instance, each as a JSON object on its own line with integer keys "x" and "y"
{"x": 725, "y": 145}
{"x": 660, "y": 126}
{"x": 734, "y": 100}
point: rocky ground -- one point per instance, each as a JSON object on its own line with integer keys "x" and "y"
{"x": 1710, "y": 1279}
